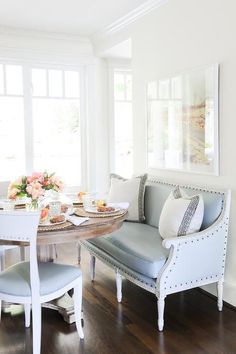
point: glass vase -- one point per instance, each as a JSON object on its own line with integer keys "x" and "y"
{"x": 33, "y": 205}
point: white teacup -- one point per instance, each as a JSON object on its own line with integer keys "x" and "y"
{"x": 54, "y": 208}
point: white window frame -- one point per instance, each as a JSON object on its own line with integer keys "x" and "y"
{"x": 28, "y": 114}
{"x": 123, "y": 67}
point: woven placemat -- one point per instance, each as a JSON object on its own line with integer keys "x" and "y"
{"x": 82, "y": 212}
{"x": 52, "y": 227}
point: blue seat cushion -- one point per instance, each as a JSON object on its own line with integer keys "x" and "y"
{"x": 15, "y": 280}
{"x": 137, "y": 246}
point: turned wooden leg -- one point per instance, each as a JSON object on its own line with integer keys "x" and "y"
{"x": 220, "y": 295}
{"x": 161, "y": 307}
{"x": 79, "y": 252}
{"x": 118, "y": 286}
{"x": 92, "y": 267}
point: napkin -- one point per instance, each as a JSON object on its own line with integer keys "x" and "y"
{"x": 76, "y": 220}
{"x": 121, "y": 205}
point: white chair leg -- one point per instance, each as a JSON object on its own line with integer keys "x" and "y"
{"x": 118, "y": 286}
{"x": 79, "y": 252}
{"x": 92, "y": 267}
{"x": 27, "y": 308}
{"x": 0, "y": 310}
{"x": 220, "y": 295}
{"x": 22, "y": 254}
{"x": 161, "y": 307}
{"x": 78, "y": 307}
{"x": 37, "y": 319}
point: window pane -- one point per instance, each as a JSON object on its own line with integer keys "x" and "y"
{"x": 164, "y": 87}
{"x": 152, "y": 90}
{"x": 1, "y": 80}
{"x": 12, "y": 161}
{"x": 71, "y": 84}
{"x": 14, "y": 80}
{"x": 57, "y": 138}
{"x": 39, "y": 82}
{"x": 55, "y": 83}
{"x": 123, "y": 139}
{"x": 119, "y": 86}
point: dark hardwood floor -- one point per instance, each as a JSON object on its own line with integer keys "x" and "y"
{"x": 193, "y": 324}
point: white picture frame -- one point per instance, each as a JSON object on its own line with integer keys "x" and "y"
{"x": 182, "y": 122}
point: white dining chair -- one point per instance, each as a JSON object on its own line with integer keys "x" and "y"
{"x": 3, "y": 250}
{"x": 33, "y": 282}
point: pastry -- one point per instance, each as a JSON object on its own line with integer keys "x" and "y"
{"x": 57, "y": 218}
{"x": 104, "y": 209}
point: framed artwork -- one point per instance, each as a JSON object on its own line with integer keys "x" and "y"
{"x": 182, "y": 122}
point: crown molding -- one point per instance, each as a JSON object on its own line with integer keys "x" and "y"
{"x": 28, "y": 33}
{"x": 129, "y": 18}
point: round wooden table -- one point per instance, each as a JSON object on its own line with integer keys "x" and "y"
{"x": 92, "y": 228}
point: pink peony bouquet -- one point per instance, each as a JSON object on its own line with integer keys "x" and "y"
{"x": 34, "y": 186}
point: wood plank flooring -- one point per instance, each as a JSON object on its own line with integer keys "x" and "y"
{"x": 193, "y": 324}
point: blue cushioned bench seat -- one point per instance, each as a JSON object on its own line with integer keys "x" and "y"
{"x": 137, "y": 252}
{"x": 138, "y": 246}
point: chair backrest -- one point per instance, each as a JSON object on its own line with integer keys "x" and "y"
{"x": 22, "y": 226}
{"x": 156, "y": 193}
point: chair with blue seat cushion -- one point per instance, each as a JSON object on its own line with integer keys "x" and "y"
{"x": 33, "y": 283}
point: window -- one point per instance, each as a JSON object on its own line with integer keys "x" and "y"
{"x": 12, "y": 140}
{"x": 123, "y": 123}
{"x": 40, "y": 122}
{"x": 56, "y": 123}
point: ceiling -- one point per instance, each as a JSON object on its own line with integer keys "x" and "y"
{"x": 78, "y": 17}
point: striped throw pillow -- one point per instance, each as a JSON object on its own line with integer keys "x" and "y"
{"x": 181, "y": 214}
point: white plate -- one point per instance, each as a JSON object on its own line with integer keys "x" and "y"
{"x": 94, "y": 211}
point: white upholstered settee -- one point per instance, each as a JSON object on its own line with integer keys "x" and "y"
{"x": 138, "y": 253}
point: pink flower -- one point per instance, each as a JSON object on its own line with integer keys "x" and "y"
{"x": 35, "y": 190}
{"x": 36, "y": 176}
{"x": 12, "y": 191}
{"x": 56, "y": 181}
{"x": 35, "y": 185}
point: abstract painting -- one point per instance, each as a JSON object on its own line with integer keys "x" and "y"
{"x": 182, "y": 122}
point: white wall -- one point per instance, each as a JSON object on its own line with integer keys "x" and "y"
{"x": 182, "y": 35}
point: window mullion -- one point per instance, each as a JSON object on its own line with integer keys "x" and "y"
{"x": 28, "y": 119}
